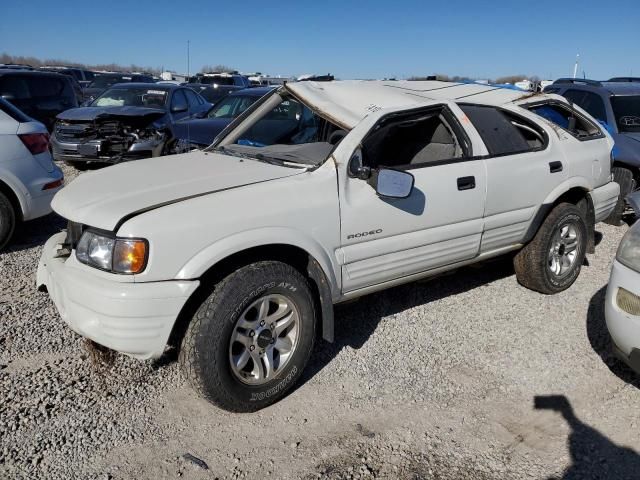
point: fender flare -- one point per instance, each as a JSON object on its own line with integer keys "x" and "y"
{"x": 547, "y": 205}
{"x": 13, "y": 184}
{"x": 320, "y": 268}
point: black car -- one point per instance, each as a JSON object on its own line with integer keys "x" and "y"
{"x": 127, "y": 122}
{"x": 214, "y": 86}
{"x": 83, "y": 77}
{"x": 200, "y": 132}
{"x": 40, "y": 95}
{"x": 102, "y": 81}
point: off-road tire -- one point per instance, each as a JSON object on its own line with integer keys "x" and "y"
{"x": 624, "y": 178}
{"x": 204, "y": 352}
{"x": 531, "y": 263}
{"x": 7, "y": 220}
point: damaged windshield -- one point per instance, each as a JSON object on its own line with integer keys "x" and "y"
{"x": 288, "y": 132}
{"x": 132, "y": 97}
{"x": 627, "y": 112}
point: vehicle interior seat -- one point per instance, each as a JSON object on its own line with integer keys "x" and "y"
{"x": 441, "y": 146}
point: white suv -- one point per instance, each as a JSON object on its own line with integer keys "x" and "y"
{"x": 319, "y": 193}
{"x": 28, "y": 177}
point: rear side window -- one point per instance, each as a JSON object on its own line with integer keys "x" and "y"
{"x": 13, "y": 112}
{"x": 502, "y": 132}
{"x": 567, "y": 118}
{"x": 22, "y": 87}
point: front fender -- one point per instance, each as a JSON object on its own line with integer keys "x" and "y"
{"x": 218, "y": 251}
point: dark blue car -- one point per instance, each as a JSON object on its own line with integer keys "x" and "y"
{"x": 126, "y": 122}
{"x": 615, "y": 103}
{"x": 200, "y": 132}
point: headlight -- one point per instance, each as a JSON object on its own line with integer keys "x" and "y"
{"x": 629, "y": 249}
{"x": 118, "y": 255}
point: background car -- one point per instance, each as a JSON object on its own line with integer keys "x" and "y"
{"x": 102, "y": 81}
{"x": 622, "y": 307}
{"x": 28, "y": 176}
{"x": 39, "y": 95}
{"x": 200, "y": 132}
{"x": 214, "y": 86}
{"x": 127, "y": 122}
{"x": 83, "y": 77}
{"x": 615, "y": 104}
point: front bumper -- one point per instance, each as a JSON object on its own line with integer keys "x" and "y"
{"x": 132, "y": 318}
{"x": 69, "y": 151}
{"x": 623, "y": 327}
{"x": 604, "y": 200}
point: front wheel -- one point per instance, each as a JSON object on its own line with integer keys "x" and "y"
{"x": 250, "y": 340}
{"x": 551, "y": 262}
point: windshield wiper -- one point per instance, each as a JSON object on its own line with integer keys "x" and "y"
{"x": 277, "y": 161}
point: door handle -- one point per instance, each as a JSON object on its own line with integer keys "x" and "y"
{"x": 555, "y": 167}
{"x": 466, "y": 183}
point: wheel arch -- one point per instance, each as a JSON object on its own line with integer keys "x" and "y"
{"x": 13, "y": 197}
{"x": 578, "y": 195}
{"x": 320, "y": 279}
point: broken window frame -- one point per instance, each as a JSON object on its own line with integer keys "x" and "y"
{"x": 569, "y": 108}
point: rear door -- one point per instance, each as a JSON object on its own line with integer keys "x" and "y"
{"x": 440, "y": 223}
{"x": 523, "y": 168}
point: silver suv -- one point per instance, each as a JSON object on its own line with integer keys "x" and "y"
{"x": 319, "y": 193}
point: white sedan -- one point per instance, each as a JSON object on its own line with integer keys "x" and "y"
{"x": 622, "y": 309}
{"x": 28, "y": 177}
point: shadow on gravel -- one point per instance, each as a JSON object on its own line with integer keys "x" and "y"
{"x": 35, "y": 232}
{"x": 355, "y": 322}
{"x": 601, "y": 341}
{"x": 593, "y": 455}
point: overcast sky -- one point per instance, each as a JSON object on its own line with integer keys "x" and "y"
{"x": 364, "y": 39}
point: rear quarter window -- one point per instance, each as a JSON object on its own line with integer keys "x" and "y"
{"x": 566, "y": 118}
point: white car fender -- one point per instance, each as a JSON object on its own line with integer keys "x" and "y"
{"x": 227, "y": 246}
{"x": 565, "y": 186}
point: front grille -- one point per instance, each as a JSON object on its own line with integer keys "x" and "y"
{"x": 628, "y": 302}
{"x": 75, "y": 133}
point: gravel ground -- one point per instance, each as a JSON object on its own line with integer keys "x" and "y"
{"x": 434, "y": 379}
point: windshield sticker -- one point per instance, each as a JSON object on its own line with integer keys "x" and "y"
{"x": 155, "y": 92}
{"x": 630, "y": 121}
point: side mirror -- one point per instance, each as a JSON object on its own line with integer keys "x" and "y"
{"x": 392, "y": 183}
{"x": 179, "y": 108}
{"x": 201, "y": 114}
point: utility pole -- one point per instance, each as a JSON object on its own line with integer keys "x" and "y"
{"x": 189, "y": 59}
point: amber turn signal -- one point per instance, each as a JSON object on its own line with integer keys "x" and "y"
{"x": 129, "y": 256}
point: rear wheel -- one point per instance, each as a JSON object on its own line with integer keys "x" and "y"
{"x": 250, "y": 340}
{"x": 624, "y": 178}
{"x": 551, "y": 262}
{"x": 7, "y": 220}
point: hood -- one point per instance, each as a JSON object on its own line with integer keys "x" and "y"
{"x": 104, "y": 198}
{"x": 86, "y": 114}
{"x": 201, "y": 131}
{"x": 632, "y": 135}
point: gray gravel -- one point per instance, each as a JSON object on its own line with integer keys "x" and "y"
{"x": 429, "y": 380}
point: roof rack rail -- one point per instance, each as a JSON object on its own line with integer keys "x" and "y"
{"x": 624, "y": 79}
{"x": 586, "y": 81}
